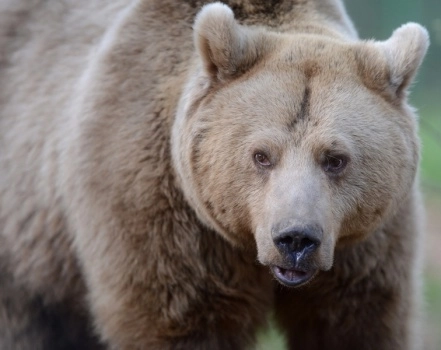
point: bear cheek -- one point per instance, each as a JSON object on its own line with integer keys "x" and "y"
{"x": 224, "y": 199}
{"x": 261, "y": 227}
{"x": 365, "y": 210}
{"x": 325, "y": 253}
{"x": 267, "y": 254}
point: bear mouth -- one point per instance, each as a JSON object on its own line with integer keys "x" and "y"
{"x": 292, "y": 277}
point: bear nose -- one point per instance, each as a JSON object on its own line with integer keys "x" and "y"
{"x": 298, "y": 241}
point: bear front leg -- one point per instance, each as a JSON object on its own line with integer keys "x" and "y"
{"x": 157, "y": 283}
{"x": 374, "y": 312}
{"x": 365, "y": 323}
{"x": 30, "y": 322}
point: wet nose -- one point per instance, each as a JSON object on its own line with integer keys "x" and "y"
{"x": 298, "y": 240}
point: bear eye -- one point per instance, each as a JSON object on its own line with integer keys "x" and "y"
{"x": 334, "y": 164}
{"x": 262, "y": 159}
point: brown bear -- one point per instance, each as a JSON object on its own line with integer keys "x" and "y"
{"x": 173, "y": 172}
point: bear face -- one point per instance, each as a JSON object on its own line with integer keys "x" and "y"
{"x": 280, "y": 139}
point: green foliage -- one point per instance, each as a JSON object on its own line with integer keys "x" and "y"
{"x": 431, "y": 163}
{"x": 432, "y": 295}
{"x": 271, "y": 339}
{"x": 431, "y": 149}
{"x": 433, "y": 311}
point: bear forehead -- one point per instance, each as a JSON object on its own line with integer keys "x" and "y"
{"x": 286, "y": 112}
{"x": 297, "y": 81}
{"x": 294, "y": 63}
{"x": 314, "y": 55}
{"x": 294, "y": 110}
{"x": 306, "y": 84}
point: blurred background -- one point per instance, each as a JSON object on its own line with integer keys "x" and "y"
{"x": 376, "y": 19}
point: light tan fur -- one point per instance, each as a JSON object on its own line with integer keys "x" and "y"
{"x": 133, "y": 214}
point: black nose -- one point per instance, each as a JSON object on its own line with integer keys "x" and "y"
{"x": 295, "y": 240}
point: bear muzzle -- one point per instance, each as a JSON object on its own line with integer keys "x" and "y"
{"x": 297, "y": 246}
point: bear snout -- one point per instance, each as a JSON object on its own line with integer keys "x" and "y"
{"x": 297, "y": 243}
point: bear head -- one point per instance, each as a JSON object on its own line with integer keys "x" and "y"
{"x": 295, "y": 143}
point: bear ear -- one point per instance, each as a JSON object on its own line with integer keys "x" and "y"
{"x": 391, "y": 65}
{"x": 225, "y": 47}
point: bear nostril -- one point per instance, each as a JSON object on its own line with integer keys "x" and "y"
{"x": 286, "y": 241}
{"x": 307, "y": 243}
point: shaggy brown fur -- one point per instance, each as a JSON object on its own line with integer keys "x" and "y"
{"x": 147, "y": 169}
